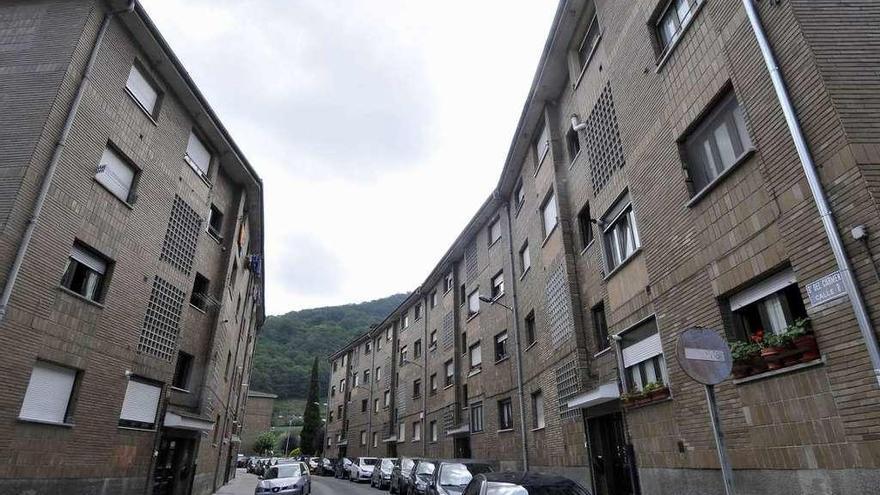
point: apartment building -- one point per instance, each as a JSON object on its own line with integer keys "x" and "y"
{"x": 655, "y": 184}
{"x": 131, "y": 235}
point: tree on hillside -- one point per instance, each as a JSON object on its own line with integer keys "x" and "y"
{"x": 264, "y": 443}
{"x": 312, "y": 415}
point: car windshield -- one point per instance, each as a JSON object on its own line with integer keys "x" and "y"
{"x": 369, "y": 461}
{"x": 496, "y": 488}
{"x": 406, "y": 465}
{"x": 288, "y": 470}
{"x": 459, "y": 474}
{"x": 387, "y": 464}
{"x": 425, "y": 468}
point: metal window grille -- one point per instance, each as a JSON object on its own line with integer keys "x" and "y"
{"x": 448, "y": 331}
{"x": 559, "y": 312}
{"x": 179, "y": 247}
{"x": 470, "y": 262}
{"x": 603, "y": 141}
{"x": 162, "y": 320}
{"x": 566, "y": 388}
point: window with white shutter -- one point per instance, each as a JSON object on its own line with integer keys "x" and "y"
{"x": 116, "y": 174}
{"x": 140, "y": 404}
{"x": 48, "y": 394}
{"x": 642, "y": 353}
{"x": 197, "y": 155}
{"x": 142, "y": 90}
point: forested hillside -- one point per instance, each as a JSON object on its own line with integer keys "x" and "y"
{"x": 289, "y": 342}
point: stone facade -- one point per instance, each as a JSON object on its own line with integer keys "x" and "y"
{"x": 703, "y": 253}
{"x": 147, "y": 328}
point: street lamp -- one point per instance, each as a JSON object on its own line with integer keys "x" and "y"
{"x": 491, "y": 302}
{"x": 287, "y": 440}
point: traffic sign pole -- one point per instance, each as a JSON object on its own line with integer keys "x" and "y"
{"x": 726, "y": 470}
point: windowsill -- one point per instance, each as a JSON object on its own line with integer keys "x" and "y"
{"x": 588, "y": 246}
{"x": 475, "y": 372}
{"x": 123, "y": 201}
{"x": 781, "y": 371}
{"x": 702, "y": 193}
{"x": 197, "y": 170}
{"x": 494, "y": 243}
{"x": 668, "y": 398}
{"x": 496, "y": 297}
{"x": 216, "y": 236}
{"x": 133, "y": 428}
{"x": 472, "y": 316}
{"x": 550, "y": 234}
{"x": 670, "y": 48}
{"x": 541, "y": 160}
{"x": 540, "y": 428}
{"x": 80, "y": 297}
{"x": 517, "y": 208}
{"x": 141, "y": 106}
{"x": 45, "y": 422}
{"x": 574, "y": 159}
{"x": 589, "y": 59}
{"x": 178, "y": 389}
{"x": 525, "y": 273}
{"x": 447, "y": 387}
{"x": 533, "y": 344}
{"x": 505, "y": 430}
{"x": 623, "y": 264}
{"x": 200, "y": 310}
{"x": 432, "y": 348}
{"x": 505, "y": 358}
{"x": 602, "y": 352}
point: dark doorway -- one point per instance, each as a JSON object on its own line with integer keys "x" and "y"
{"x": 391, "y": 449}
{"x": 463, "y": 447}
{"x": 174, "y": 466}
{"x": 609, "y": 459}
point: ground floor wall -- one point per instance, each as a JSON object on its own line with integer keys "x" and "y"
{"x": 74, "y": 486}
{"x": 764, "y": 481}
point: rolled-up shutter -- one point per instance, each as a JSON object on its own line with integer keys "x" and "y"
{"x": 115, "y": 174}
{"x": 762, "y": 289}
{"x": 48, "y": 393}
{"x": 143, "y": 91}
{"x": 88, "y": 259}
{"x": 198, "y": 153}
{"x": 141, "y": 402}
{"x": 642, "y": 350}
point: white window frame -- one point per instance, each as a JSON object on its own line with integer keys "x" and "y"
{"x": 198, "y": 156}
{"x": 525, "y": 258}
{"x": 386, "y": 398}
{"x": 117, "y": 174}
{"x": 538, "y": 412}
{"x": 473, "y": 302}
{"x": 501, "y": 340}
{"x": 433, "y": 426}
{"x": 498, "y": 285}
{"x": 476, "y": 417}
{"x": 542, "y": 144}
{"x": 138, "y": 81}
{"x": 616, "y": 255}
{"x": 680, "y": 18}
{"x": 140, "y": 405}
{"x": 49, "y": 394}
{"x": 550, "y": 200}
{"x": 416, "y": 431}
{"x": 475, "y": 351}
{"x": 401, "y": 432}
{"x": 494, "y": 231}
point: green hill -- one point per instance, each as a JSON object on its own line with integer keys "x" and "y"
{"x": 288, "y": 343}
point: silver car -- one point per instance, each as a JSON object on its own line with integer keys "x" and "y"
{"x": 291, "y": 479}
{"x": 361, "y": 469}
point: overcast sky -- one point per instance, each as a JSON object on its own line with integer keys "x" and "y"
{"x": 378, "y": 126}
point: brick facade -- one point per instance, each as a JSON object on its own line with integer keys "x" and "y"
{"x": 46, "y": 47}
{"x": 804, "y": 429}
{"x": 257, "y": 419}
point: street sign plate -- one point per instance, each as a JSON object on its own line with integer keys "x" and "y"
{"x": 825, "y": 289}
{"x": 704, "y": 355}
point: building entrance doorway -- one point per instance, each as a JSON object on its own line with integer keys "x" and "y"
{"x": 462, "y": 447}
{"x": 173, "y": 474}
{"x": 609, "y": 455}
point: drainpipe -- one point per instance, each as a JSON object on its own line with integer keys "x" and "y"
{"x": 53, "y": 162}
{"x": 825, "y": 213}
{"x": 516, "y": 342}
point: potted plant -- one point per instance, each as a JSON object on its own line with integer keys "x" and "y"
{"x": 803, "y": 339}
{"x": 772, "y": 346}
{"x": 656, "y": 391}
{"x": 743, "y": 354}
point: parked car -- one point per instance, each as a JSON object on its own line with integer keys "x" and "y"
{"x": 313, "y": 463}
{"x": 292, "y": 479}
{"x": 523, "y": 483}
{"x": 382, "y": 472}
{"x": 451, "y": 476}
{"x": 400, "y": 475}
{"x": 341, "y": 468}
{"x": 361, "y": 469}
{"x": 325, "y": 467}
{"x": 420, "y": 476}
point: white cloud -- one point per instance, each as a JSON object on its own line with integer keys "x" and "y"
{"x": 378, "y": 127}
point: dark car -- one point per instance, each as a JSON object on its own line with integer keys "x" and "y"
{"x": 382, "y": 472}
{"x": 451, "y": 476}
{"x": 420, "y": 476}
{"x": 325, "y": 467}
{"x": 400, "y": 475}
{"x": 523, "y": 483}
{"x": 341, "y": 468}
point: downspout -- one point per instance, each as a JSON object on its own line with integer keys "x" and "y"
{"x": 825, "y": 213}
{"x": 53, "y": 162}
{"x": 516, "y": 342}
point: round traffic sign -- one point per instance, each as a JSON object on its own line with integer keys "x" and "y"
{"x": 704, "y": 355}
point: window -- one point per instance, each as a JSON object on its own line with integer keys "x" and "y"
{"x": 473, "y": 303}
{"x": 197, "y": 155}
{"x": 228, "y": 363}
{"x": 49, "y": 395}
{"x": 116, "y": 174}
{"x": 519, "y": 195}
{"x": 388, "y": 333}
{"x": 673, "y": 19}
{"x": 416, "y": 431}
{"x": 333, "y": 391}
{"x": 448, "y": 283}
{"x": 366, "y": 377}
{"x": 573, "y": 144}
{"x": 367, "y": 347}
{"x": 718, "y": 142}
{"x": 433, "y": 340}
{"x": 585, "y": 226}
{"x": 620, "y": 233}
{"x": 767, "y": 307}
{"x": 418, "y": 310}
{"x": 339, "y": 411}
{"x": 85, "y": 272}
{"x": 432, "y": 382}
{"x": 494, "y": 231}
{"x": 587, "y": 39}
{"x": 330, "y": 416}
{"x": 375, "y": 439}
{"x": 463, "y": 294}
{"x": 450, "y": 372}
{"x": 417, "y": 388}
{"x": 525, "y": 259}
{"x": 401, "y": 432}
{"x": 549, "y": 214}
{"x": 140, "y": 404}
{"x": 433, "y": 299}
{"x": 215, "y": 222}
{"x": 505, "y": 415}
{"x": 378, "y": 343}
{"x": 142, "y": 90}
{"x": 476, "y": 356}
{"x": 530, "y": 328}
{"x": 363, "y": 405}
{"x": 600, "y": 326}
{"x": 403, "y": 355}
{"x": 642, "y": 355}
{"x": 386, "y": 398}
{"x": 501, "y": 346}
{"x": 498, "y": 285}
{"x": 464, "y": 342}
{"x": 363, "y": 437}
{"x": 378, "y": 373}
{"x": 182, "y": 371}
{"x": 417, "y": 349}
{"x": 476, "y": 417}
{"x": 538, "y": 409}
{"x": 335, "y": 365}
{"x": 199, "y": 296}
{"x": 433, "y": 427}
{"x": 355, "y": 379}
{"x": 405, "y": 321}
{"x": 342, "y": 385}
{"x": 542, "y": 144}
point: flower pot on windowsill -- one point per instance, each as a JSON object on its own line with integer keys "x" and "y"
{"x": 771, "y": 357}
{"x": 741, "y": 369}
{"x": 659, "y": 394}
{"x": 808, "y": 346}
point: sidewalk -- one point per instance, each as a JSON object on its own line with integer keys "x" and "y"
{"x": 243, "y": 484}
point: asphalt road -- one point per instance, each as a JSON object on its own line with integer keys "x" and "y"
{"x": 322, "y": 485}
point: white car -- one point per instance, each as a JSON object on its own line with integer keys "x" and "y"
{"x": 290, "y": 479}
{"x": 361, "y": 468}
